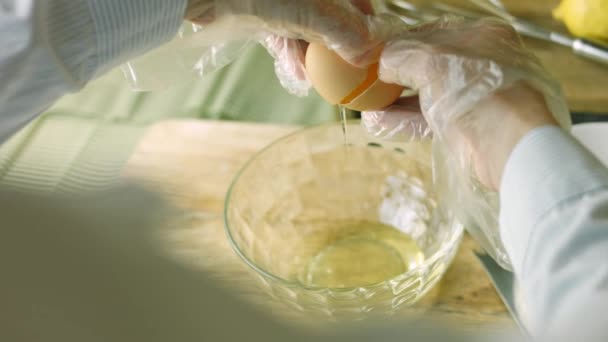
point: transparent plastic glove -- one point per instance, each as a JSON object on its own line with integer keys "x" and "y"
{"x": 289, "y": 55}
{"x": 402, "y": 121}
{"x": 480, "y": 91}
{"x": 285, "y": 27}
{"x": 218, "y": 31}
{"x": 338, "y": 24}
{"x": 192, "y": 54}
{"x": 289, "y": 67}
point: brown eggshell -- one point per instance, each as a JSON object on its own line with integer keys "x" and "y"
{"x": 335, "y": 79}
{"x": 330, "y": 75}
{"x": 379, "y": 96}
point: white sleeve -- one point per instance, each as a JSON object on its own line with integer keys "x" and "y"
{"x": 52, "y": 47}
{"x": 554, "y": 222}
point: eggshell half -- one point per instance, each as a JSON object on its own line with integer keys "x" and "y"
{"x": 379, "y": 96}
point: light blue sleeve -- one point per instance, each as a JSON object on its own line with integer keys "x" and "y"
{"x": 52, "y": 47}
{"x": 554, "y": 223}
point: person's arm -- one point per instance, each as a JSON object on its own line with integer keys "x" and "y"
{"x": 53, "y": 47}
{"x": 495, "y": 117}
{"x": 554, "y": 223}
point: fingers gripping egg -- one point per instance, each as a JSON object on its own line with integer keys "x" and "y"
{"x": 339, "y": 82}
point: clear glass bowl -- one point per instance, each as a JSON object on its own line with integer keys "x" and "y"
{"x": 341, "y": 229}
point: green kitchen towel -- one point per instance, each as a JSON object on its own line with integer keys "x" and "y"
{"x": 246, "y": 90}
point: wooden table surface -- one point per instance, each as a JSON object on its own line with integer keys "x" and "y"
{"x": 193, "y": 163}
{"x": 585, "y": 83}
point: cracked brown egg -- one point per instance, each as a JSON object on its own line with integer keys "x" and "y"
{"x": 341, "y": 83}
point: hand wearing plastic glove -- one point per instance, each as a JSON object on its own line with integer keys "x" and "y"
{"x": 479, "y": 90}
{"x": 479, "y": 93}
{"x": 285, "y": 27}
{"x": 289, "y": 55}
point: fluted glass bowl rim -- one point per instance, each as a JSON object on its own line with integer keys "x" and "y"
{"x": 442, "y": 252}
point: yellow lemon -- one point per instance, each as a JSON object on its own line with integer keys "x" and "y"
{"x": 584, "y": 18}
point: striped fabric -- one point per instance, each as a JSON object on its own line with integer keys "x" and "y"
{"x": 67, "y": 154}
{"x": 56, "y": 46}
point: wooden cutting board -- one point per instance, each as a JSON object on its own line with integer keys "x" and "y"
{"x": 193, "y": 163}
